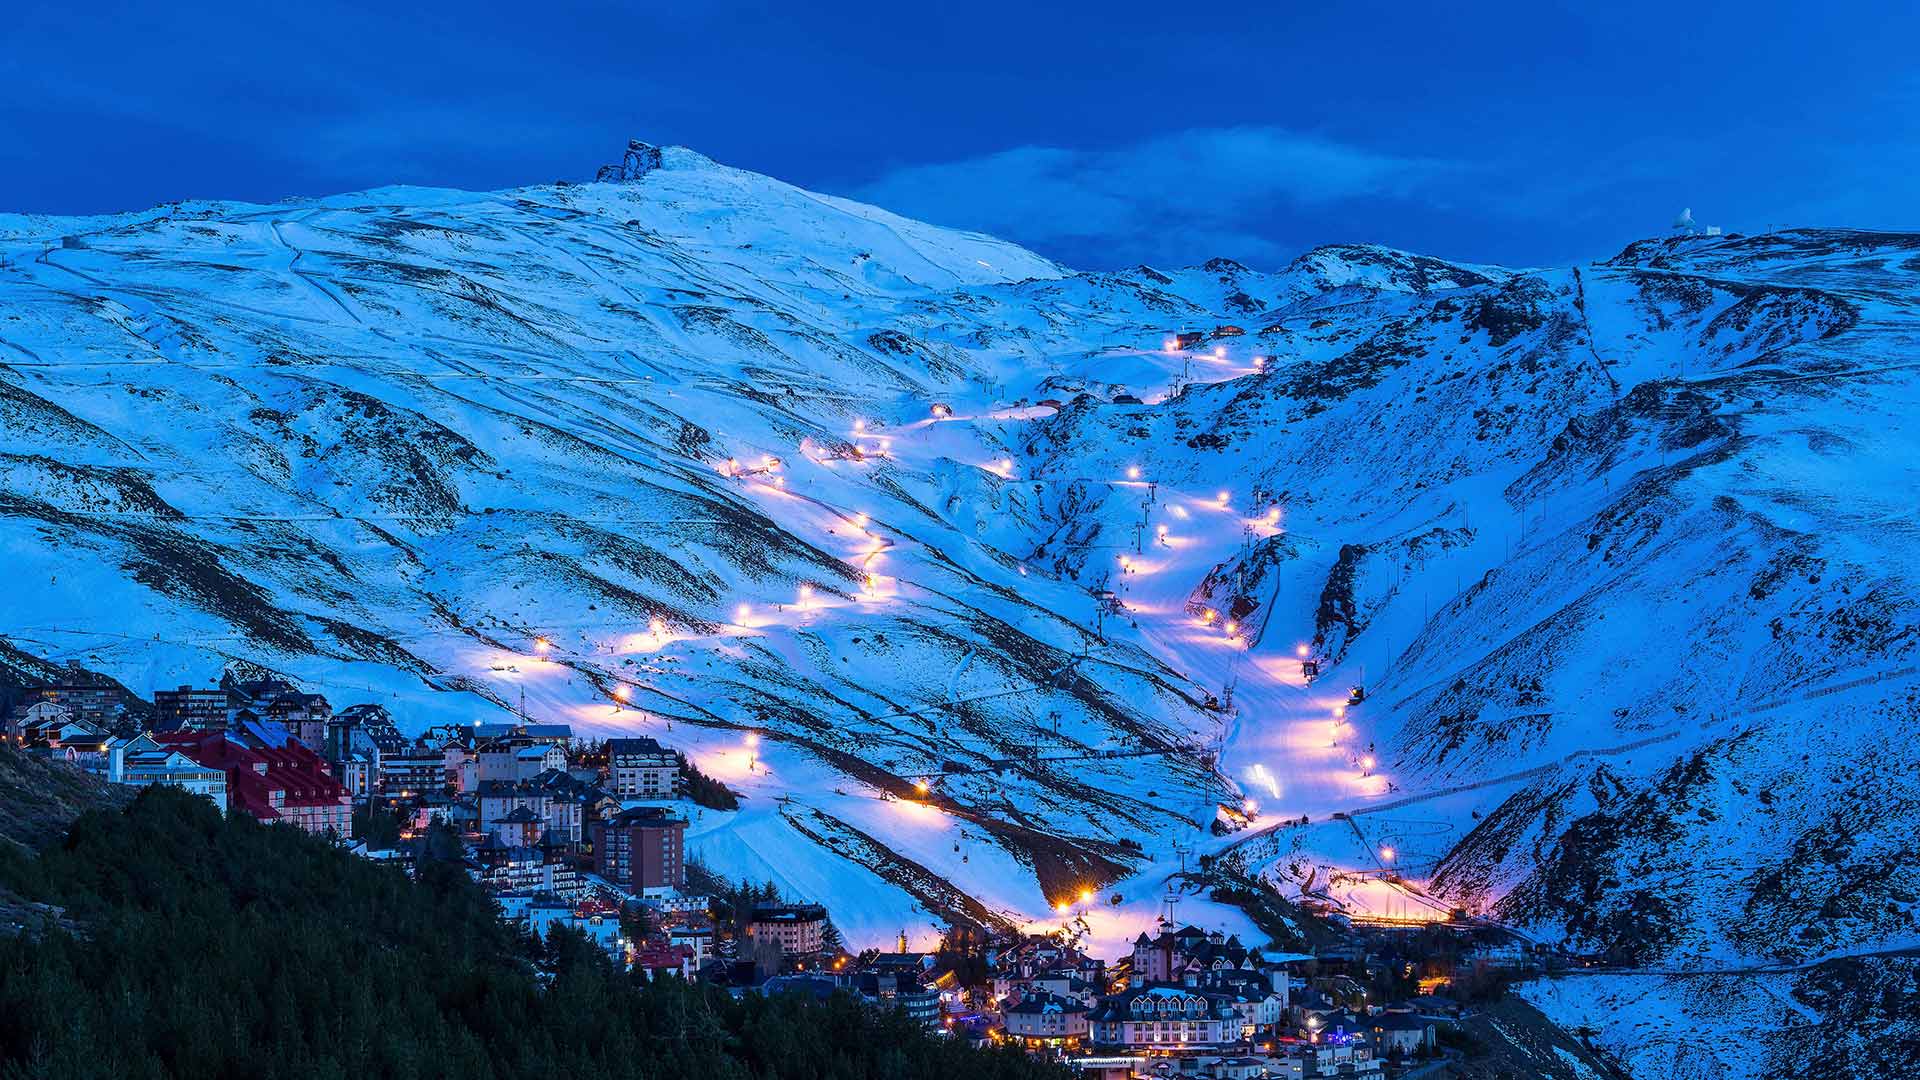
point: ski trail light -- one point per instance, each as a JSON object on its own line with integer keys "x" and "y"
{"x": 1233, "y": 628}
{"x": 1386, "y": 854}
{"x": 859, "y": 425}
{"x": 1222, "y": 496}
{"x": 541, "y": 645}
{"x": 1086, "y": 896}
{"x": 920, "y": 786}
{"x": 1367, "y": 762}
{"x": 1133, "y": 472}
{"x": 860, "y": 521}
{"x": 1170, "y": 345}
{"x": 622, "y": 692}
{"x": 1161, "y": 532}
{"x": 1220, "y": 353}
{"x": 1006, "y": 465}
{"x": 1273, "y": 516}
{"x": 806, "y": 594}
{"x": 1062, "y": 908}
{"x": 1259, "y": 362}
{"x": 1300, "y": 650}
{"x": 742, "y": 613}
{"x": 753, "y": 740}
{"x": 657, "y": 626}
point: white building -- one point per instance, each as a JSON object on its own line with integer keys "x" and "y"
{"x": 139, "y": 761}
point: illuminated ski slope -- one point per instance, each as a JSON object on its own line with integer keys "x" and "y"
{"x": 824, "y": 497}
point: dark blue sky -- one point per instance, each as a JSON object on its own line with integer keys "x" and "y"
{"x": 1105, "y": 135}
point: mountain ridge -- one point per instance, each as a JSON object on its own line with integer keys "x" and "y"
{"x": 384, "y": 442}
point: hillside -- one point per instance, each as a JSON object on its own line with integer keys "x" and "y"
{"x": 317, "y": 962}
{"x": 1621, "y": 553}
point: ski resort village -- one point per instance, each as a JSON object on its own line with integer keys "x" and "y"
{"x": 590, "y": 835}
{"x": 1374, "y": 666}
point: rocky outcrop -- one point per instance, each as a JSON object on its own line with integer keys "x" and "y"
{"x": 640, "y": 159}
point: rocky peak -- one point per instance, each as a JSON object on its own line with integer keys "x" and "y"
{"x": 641, "y": 158}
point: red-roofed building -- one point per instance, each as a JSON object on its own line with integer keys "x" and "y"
{"x": 287, "y": 783}
{"x": 656, "y": 957}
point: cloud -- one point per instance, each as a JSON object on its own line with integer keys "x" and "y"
{"x": 1179, "y": 197}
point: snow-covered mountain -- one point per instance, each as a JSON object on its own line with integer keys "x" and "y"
{"x": 844, "y": 504}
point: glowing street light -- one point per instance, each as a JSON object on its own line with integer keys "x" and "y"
{"x": 1386, "y": 854}
{"x": 920, "y": 786}
{"x": 541, "y": 645}
{"x": 742, "y": 613}
{"x": 1133, "y": 472}
{"x": 1086, "y": 896}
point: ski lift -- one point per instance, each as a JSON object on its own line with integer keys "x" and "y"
{"x": 1310, "y": 669}
{"x": 1356, "y": 695}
